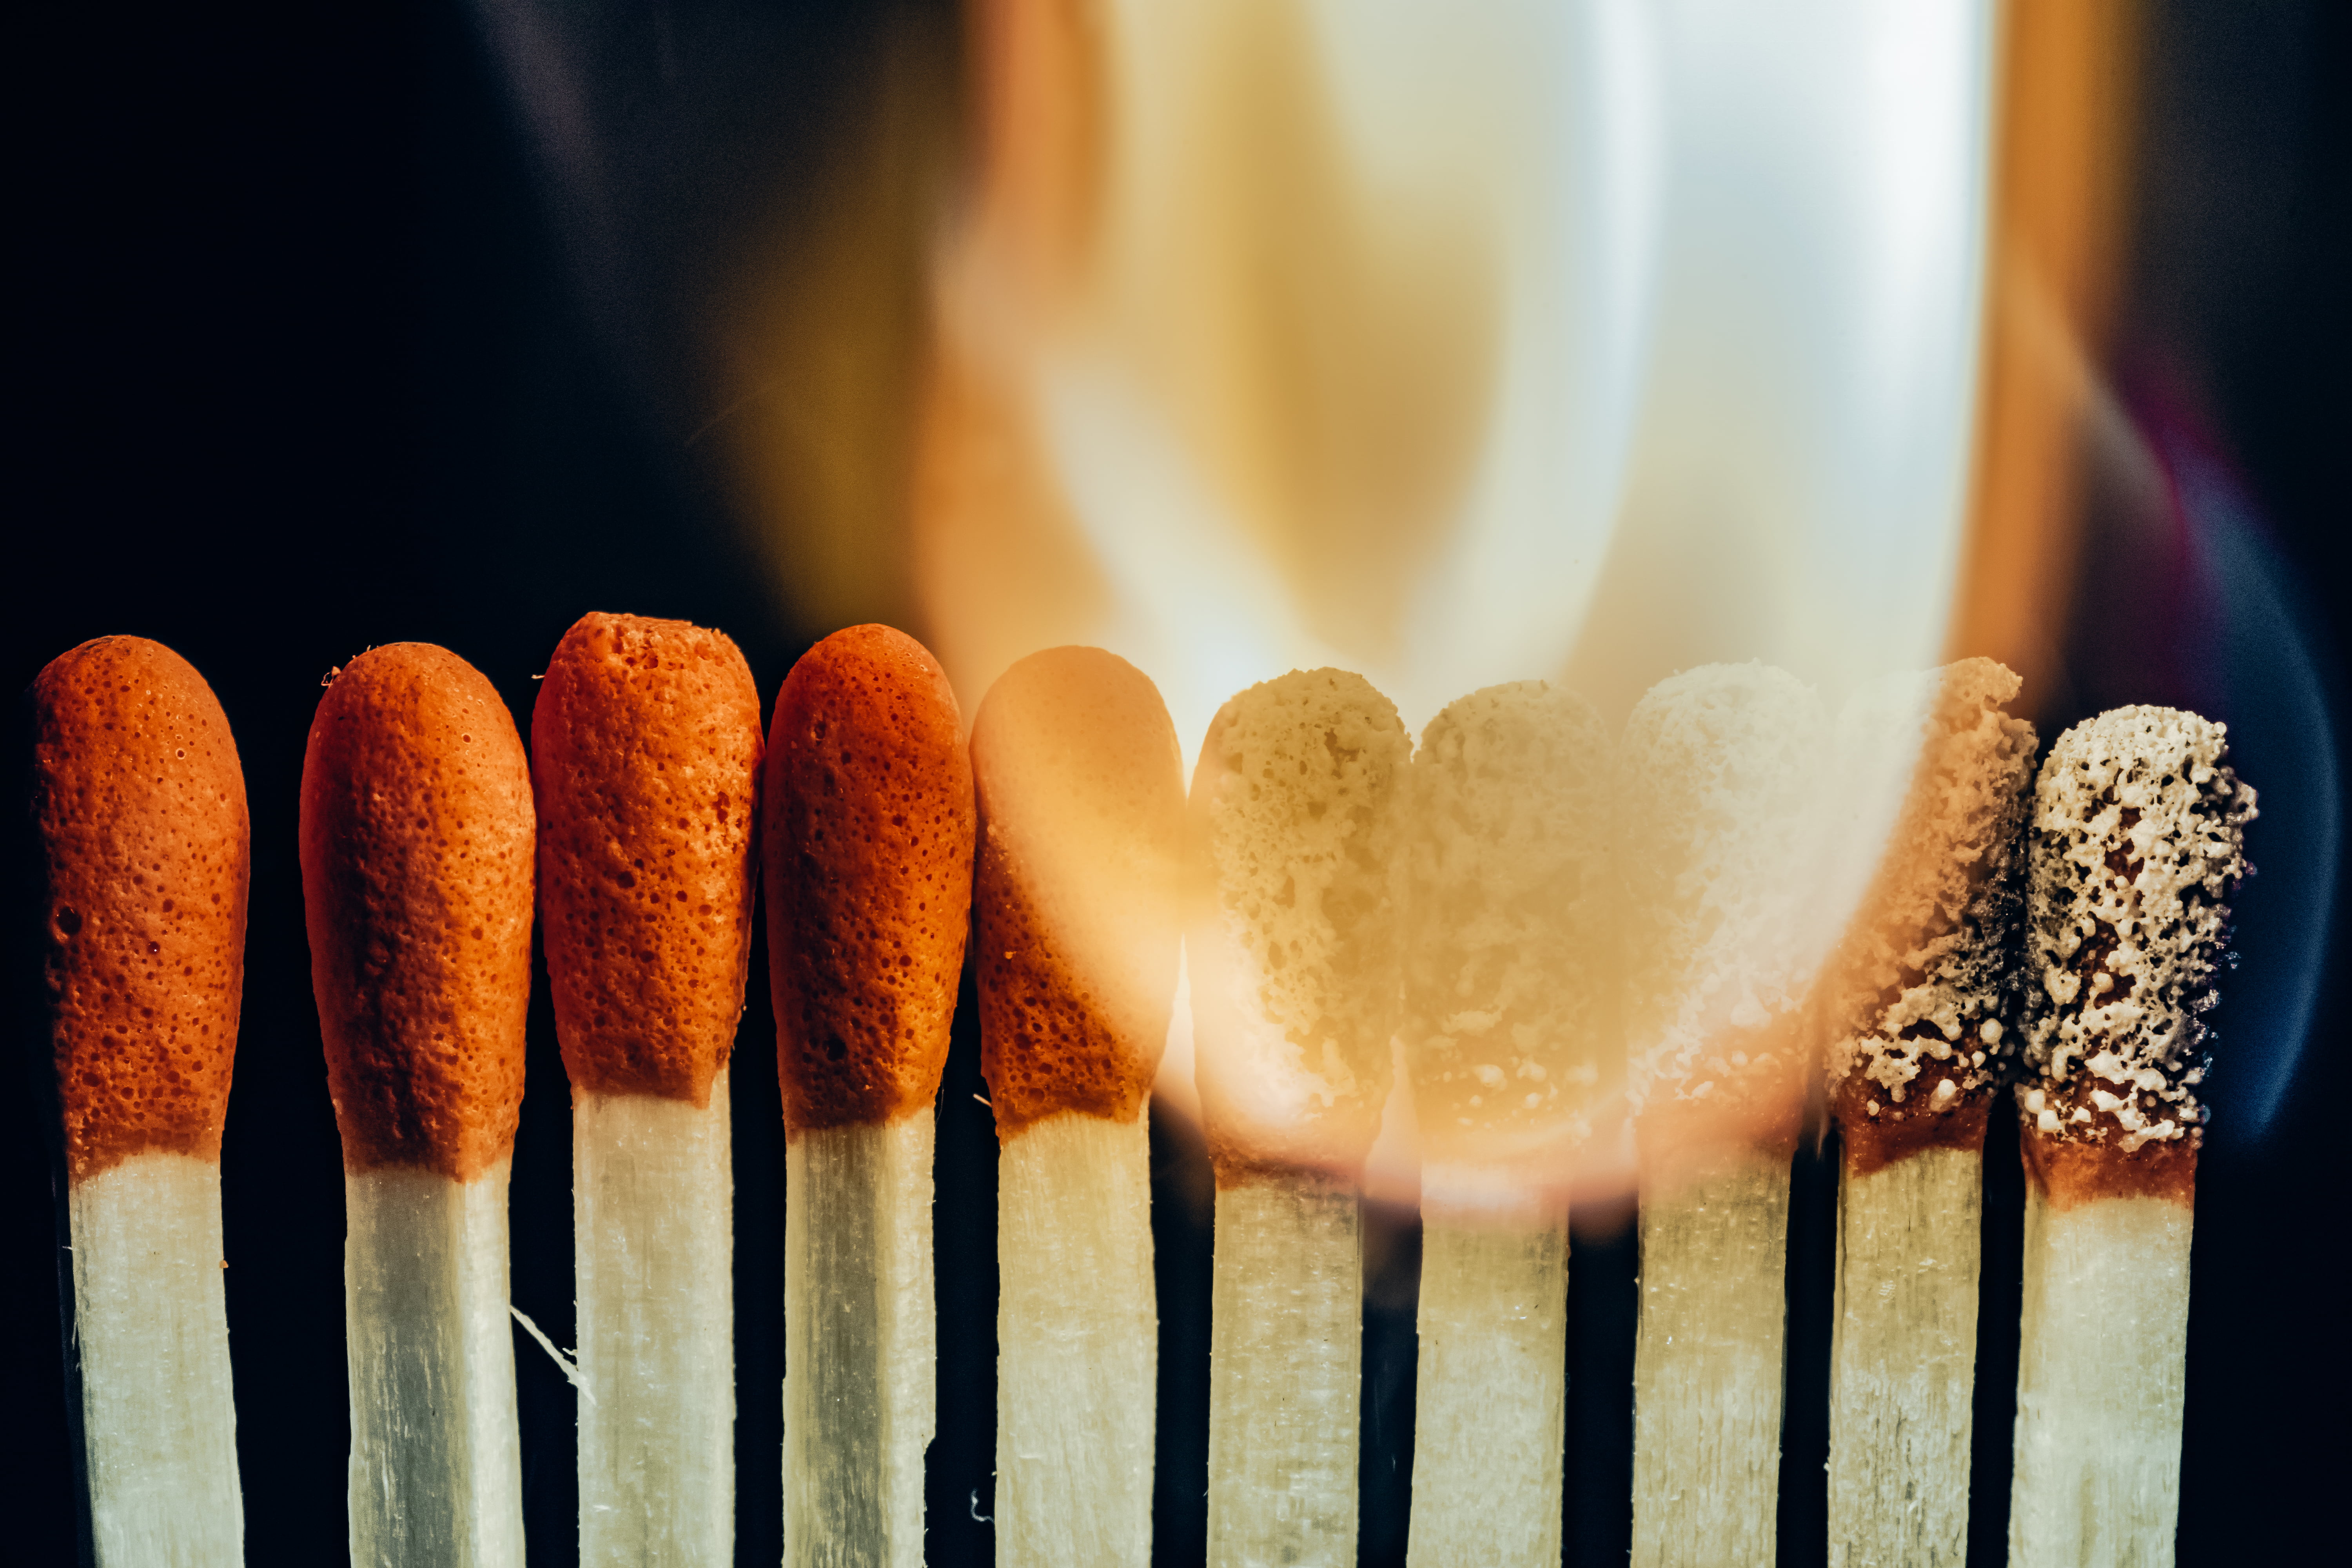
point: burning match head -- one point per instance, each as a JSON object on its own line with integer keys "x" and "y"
{"x": 865, "y": 834}
{"x": 1082, "y": 804}
{"x": 138, "y": 805}
{"x": 2139, "y": 843}
{"x": 1297, "y": 815}
{"x": 645, "y": 760}
{"x": 1920, "y": 1031}
{"x": 416, "y": 888}
{"x": 1724, "y": 928}
{"x": 1508, "y": 956}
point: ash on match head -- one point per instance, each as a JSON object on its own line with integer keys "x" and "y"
{"x": 866, "y": 844}
{"x": 138, "y": 803}
{"x": 1081, "y": 791}
{"x": 416, "y": 878}
{"x": 1919, "y": 987}
{"x": 2137, "y": 846}
{"x": 645, "y": 745}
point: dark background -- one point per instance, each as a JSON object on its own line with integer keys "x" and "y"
{"x": 316, "y": 348}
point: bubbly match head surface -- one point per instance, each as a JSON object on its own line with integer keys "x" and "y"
{"x": 866, "y": 823}
{"x": 1297, "y": 814}
{"x": 1509, "y": 957}
{"x": 1724, "y": 926}
{"x": 1081, "y": 791}
{"x": 139, "y": 808}
{"x": 645, "y": 764}
{"x": 1920, "y": 1008}
{"x": 416, "y": 888}
{"x": 2138, "y": 845}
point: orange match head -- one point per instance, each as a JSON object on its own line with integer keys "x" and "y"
{"x": 416, "y": 886}
{"x": 645, "y": 760}
{"x": 1082, "y": 804}
{"x": 866, "y": 843}
{"x": 138, "y": 805}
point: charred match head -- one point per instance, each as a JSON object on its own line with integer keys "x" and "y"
{"x": 2138, "y": 844}
{"x": 1920, "y": 1005}
{"x": 139, "y": 806}
{"x": 1081, "y": 792}
{"x": 416, "y": 886}
{"x": 1296, "y": 816}
{"x": 1508, "y": 958}
{"x": 646, "y": 757}
{"x": 866, "y": 845}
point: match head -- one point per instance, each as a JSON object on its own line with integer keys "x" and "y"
{"x": 1724, "y": 930}
{"x": 2138, "y": 845}
{"x": 416, "y": 888}
{"x": 1919, "y": 1004}
{"x": 866, "y": 823}
{"x": 646, "y": 765}
{"x": 1297, "y": 816}
{"x": 1509, "y": 954}
{"x": 139, "y": 808}
{"x": 1081, "y": 790}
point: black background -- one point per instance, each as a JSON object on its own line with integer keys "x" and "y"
{"x": 309, "y": 356}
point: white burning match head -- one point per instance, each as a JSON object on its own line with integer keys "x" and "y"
{"x": 1082, "y": 804}
{"x": 416, "y": 885}
{"x": 1919, "y": 1020}
{"x": 139, "y": 805}
{"x": 1297, "y": 815}
{"x": 1724, "y": 926}
{"x": 2137, "y": 846}
{"x": 646, "y": 754}
{"x": 1508, "y": 957}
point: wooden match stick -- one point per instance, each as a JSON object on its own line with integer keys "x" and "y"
{"x": 1296, "y": 818}
{"x": 1082, "y": 823}
{"x": 646, "y": 757}
{"x": 2138, "y": 845}
{"x": 139, "y": 806}
{"x": 1922, "y": 1024}
{"x": 1507, "y": 980}
{"x": 416, "y": 888}
{"x": 1722, "y": 941}
{"x": 866, "y": 823}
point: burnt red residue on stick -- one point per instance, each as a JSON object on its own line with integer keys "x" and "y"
{"x": 139, "y": 808}
{"x": 645, "y": 764}
{"x": 416, "y": 888}
{"x": 866, "y": 828}
{"x": 2069, "y": 1172}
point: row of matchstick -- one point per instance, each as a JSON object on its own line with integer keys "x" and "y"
{"x": 1570, "y": 932}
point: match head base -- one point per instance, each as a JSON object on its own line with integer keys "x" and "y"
{"x": 2069, "y": 1171}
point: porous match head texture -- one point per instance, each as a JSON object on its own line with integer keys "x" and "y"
{"x": 645, "y": 761}
{"x": 2137, "y": 846}
{"x": 139, "y": 808}
{"x": 866, "y": 824}
{"x": 1723, "y": 927}
{"x": 416, "y": 888}
{"x": 1081, "y": 792}
{"x": 1922, "y": 1015}
{"x": 1509, "y": 961}
{"x": 1296, "y": 819}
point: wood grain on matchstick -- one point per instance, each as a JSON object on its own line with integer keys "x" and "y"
{"x": 139, "y": 803}
{"x": 644, "y": 752}
{"x": 416, "y": 870}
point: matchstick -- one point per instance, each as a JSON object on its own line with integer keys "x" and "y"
{"x": 1722, "y": 931}
{"x": 2137, "y": 844}
{"x": 645, "y": 757}
{"x": 1081, "y": 793}
{"x": 1508, "y": 979}
{"x": 1921, "y": 1026}
{"x": 1296, "y": 817}
{"x": 416, "y": 888}
{"x": 139, "y": 808}
{"x": 866, "y": 823}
